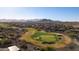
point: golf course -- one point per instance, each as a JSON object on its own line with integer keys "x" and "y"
{"x": 43, "y": 39}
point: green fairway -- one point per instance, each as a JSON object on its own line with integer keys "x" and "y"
{"x": 45, "y": 37}
{"x": 48, "y": 38}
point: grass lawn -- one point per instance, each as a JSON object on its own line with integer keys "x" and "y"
{"x": 4, "y": 25}
{"x": 45, "y": 37}
{"x": 48, "y": 38}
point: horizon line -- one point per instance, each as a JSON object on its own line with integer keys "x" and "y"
{"x": 29, "y": 19}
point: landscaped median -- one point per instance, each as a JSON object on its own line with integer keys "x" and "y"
{"x": 44, "y": 39}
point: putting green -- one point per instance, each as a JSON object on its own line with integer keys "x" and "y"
{"x": 37, "y": 38}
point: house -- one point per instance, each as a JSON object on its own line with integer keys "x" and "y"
{"x": 13, "y": 48}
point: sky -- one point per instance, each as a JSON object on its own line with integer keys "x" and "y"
{"x": 54, "y": 13}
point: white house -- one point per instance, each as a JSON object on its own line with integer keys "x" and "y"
{"x": 13, "y": 48}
